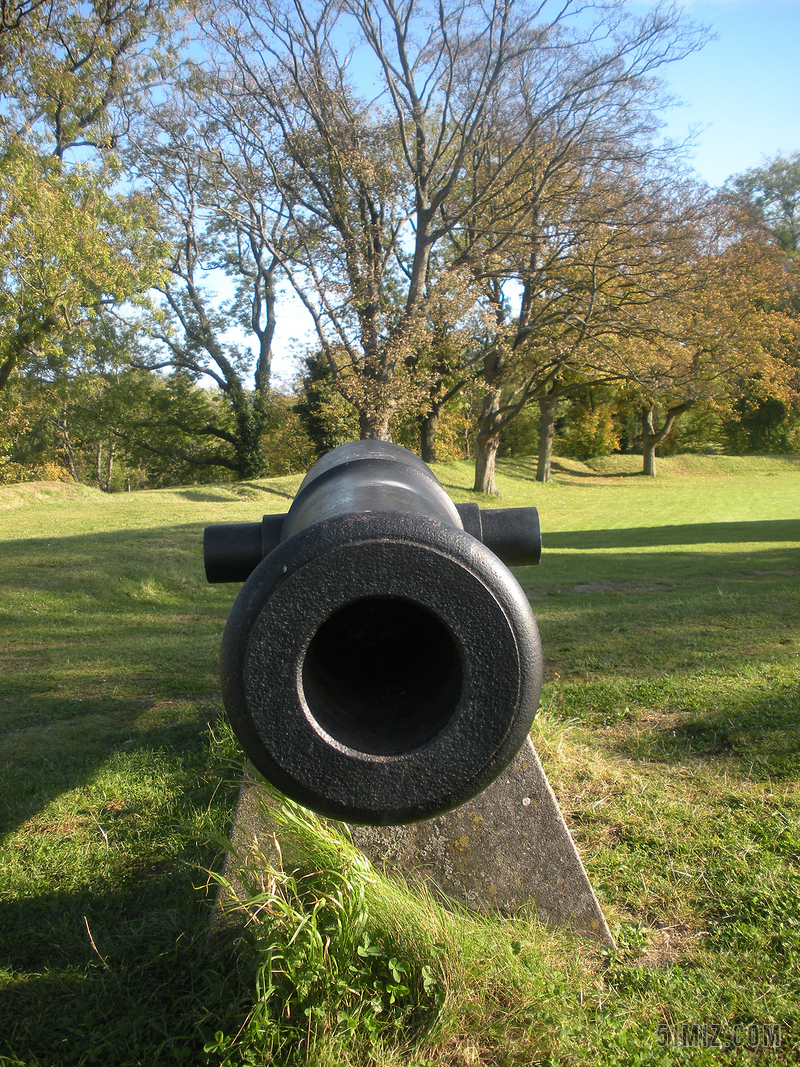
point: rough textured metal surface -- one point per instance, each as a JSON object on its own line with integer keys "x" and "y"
{"x": 333, "y": 757}
{"x": 503, "y": 850}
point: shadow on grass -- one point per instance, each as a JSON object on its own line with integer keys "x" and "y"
{"x": 103, "y": 566}
{"x": 107, "y": 641}
{"x": 238, "y": 492}
{"x": 761, "y": 730}
{"x": 69, "y": 754}
{"x": 769, "y": 530}
{"x": 105, "y": 962}
{"x": 118, "y": 973}
{"x": 206, "y": 496}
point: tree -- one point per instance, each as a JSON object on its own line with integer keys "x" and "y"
{"x": 78, "y": 73}
{"x": 557, "y": 252}
{"x": 70, "y": 241}
{"x": 326, "y": 416}
{"x": 213, "y": 219}
{"x": 729, "y": 326}
{"x": 69, "y": 427}
{"x": 67, "y": 246}
{"x": 602, "y": 243}
{"x": 769, "y": 197}
{"x": 772, "y": 193}
{"x": 374, "y": 189}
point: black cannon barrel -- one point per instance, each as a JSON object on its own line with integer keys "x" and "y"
{"x": 373, "y": 478}
{"x": 381, "y": 664}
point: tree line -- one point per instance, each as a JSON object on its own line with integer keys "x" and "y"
{"x": 472, "y": 202}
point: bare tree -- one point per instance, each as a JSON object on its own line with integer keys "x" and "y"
{"x": 211, "y": 223}
{"x": 375, "y": 188}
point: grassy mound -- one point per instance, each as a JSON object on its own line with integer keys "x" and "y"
{"x": 673, "y": 466}
{"x": 26, "y": 494}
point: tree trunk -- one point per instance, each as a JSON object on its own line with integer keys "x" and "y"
{"x": 649, "y": 459}
{"x": 427, "y": 435}
{"x": 266, "y": 333}
{"x": 67, "y": 444}
{"x": 109, "y": 465}
{"x": 652, "y": 438}
{"x": 549, "y": 407}
{"x": 6, "y": 367}
{"x": 249, "y": 430}
{"x": 488, "y": 440}
{"x": 99, "y": 465}
{"x": 485, "y": 461}
{"x": 374, "y": 427}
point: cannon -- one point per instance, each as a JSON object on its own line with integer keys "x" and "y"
{"x": 380, "y": 664}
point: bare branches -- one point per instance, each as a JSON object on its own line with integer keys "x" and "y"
{"x": 378, "y": 195}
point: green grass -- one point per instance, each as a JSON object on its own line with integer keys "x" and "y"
{"x": 669, "y": 729}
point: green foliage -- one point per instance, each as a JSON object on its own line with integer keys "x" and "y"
{"x": 773, "y": 193}
{"x": 72, "y": 74}
{"x": 67, "y": 244}
{"x": 521, "y": 436}
{"x": 456, "y": 428}
{"x": 327, "y": 418}
{"x": 70, "y": 240}
{"x": 458, "y": 425}
{"x": 286, "y": 446}
{"x": 762, "y": 424}
{"x": 697, "y": 430}
{"x": 587, "y": 428}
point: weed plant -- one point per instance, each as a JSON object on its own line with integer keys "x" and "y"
{"x": 355, "y": 967}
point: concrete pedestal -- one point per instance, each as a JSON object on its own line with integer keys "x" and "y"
{"x": 506, "y": 848}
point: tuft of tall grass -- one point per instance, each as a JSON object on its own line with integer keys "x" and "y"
{"x": 355, "y": 967}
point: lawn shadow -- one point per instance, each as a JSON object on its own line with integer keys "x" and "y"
{"x": 115, "y": 970}
{"x": 206, "y": 496}
{"x": 107, "y": 639}
{"x": 235, "y": 495}
{"x": 69, "y": 752}
{"x": 769, "y": 530}
{"x": 760, "y": 730}
{"x": 76, "y": 563}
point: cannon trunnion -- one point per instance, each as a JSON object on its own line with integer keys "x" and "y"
{"x": 380, "y": 664}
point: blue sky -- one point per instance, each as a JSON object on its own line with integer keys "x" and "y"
{"x": 743, "y": 89}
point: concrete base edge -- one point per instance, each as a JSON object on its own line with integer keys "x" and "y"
{"x": 507, "y": 848}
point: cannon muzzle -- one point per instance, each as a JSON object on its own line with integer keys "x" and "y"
{"x": 380, "y": 664}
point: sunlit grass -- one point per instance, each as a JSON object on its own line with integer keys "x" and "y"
{"x": 669, "y": 729}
